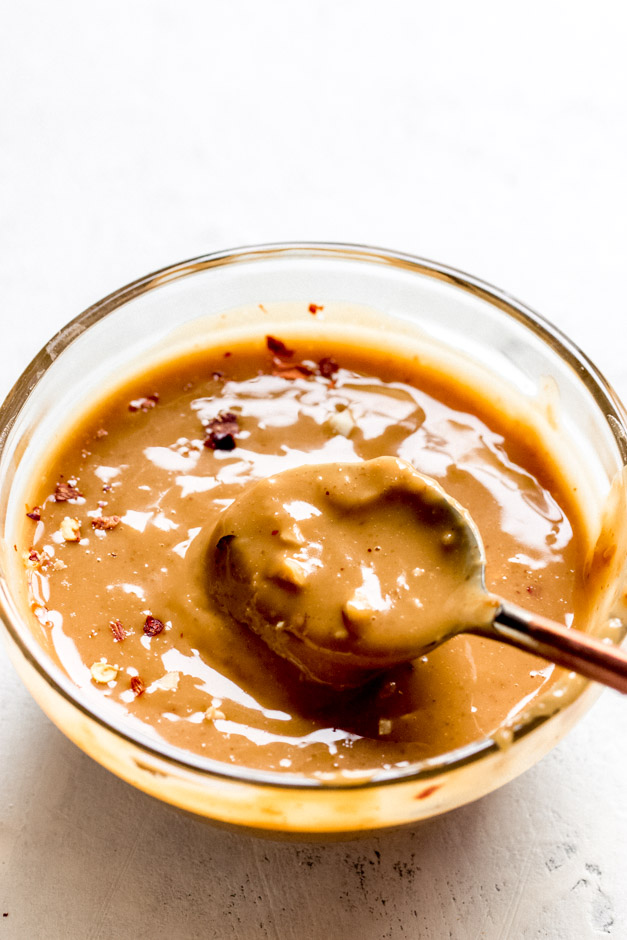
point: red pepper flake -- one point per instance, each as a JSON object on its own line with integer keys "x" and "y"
{"x": 106, "y": 522}
{"x": 118, "y": 631}
{"x": 428, "y": 791}
{"x": 328, "y": 367}
{"x": 33, "y": 555}
{"x": 143, "y": 404}
{"x": 137, "y": 686}
{"x": 66, "y": 491}
{"x": 274, "y": 532}
{"x": 313, "y": 308}
{"x": 296, "y": 370}
{"x": 278, "y": 348}
{"x": 35, "y": 513}
{"x": 152, "y": 626}
{"x": 221, "y": 431}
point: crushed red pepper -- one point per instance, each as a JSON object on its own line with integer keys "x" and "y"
{"x": 106, "y": 522}
{"x": 65, "y": 491}
{"x": 137, "y": 686}
{"x": 221, "y": 431}
{"x": 278, "y": 348}
{"x": 328, "y": 367}
{"x": 153, "y": 626}
{"x": 296, "y": 370}
{"x": 35, "y": 513}
{"x": 118, "y": 631}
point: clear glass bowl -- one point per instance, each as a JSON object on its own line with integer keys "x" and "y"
{"x": 412, "y": 301}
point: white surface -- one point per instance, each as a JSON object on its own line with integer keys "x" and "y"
{"x": 489, "y": 136}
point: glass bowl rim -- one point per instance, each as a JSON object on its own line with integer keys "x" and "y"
{"x": 599, "y": 388}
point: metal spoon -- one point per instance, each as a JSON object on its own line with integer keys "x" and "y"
{"x": 571, "y": 649}
{"x": 541, "y": 636}
{"x": 280, "y": 577}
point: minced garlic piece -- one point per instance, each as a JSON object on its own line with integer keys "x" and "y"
{"x": 342, "y": 422}
{"x": 71, "y": 529}
{"x": 103, "y": 672}
{"x": 213, "y": 713}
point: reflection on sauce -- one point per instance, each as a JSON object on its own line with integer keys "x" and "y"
{"x": 158, "y": 461}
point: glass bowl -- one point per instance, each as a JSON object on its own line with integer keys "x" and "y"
{"x": 411, "y": 301}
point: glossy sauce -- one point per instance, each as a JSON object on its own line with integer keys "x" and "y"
{"x": 209, "y": 685}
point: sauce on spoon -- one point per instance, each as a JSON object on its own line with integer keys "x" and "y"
{"x": 349, "y": 569}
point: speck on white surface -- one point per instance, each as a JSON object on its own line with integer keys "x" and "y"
{"x": 489, "y": 136}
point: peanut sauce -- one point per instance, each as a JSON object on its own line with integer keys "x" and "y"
{"x": 120, "y": 519}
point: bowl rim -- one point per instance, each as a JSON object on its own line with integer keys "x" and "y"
{"x": 596, "y": 384}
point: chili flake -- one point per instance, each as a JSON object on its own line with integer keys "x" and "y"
{"x": 221, "y": 431}
{"x": 63, "y": 492}
{"x": 153, "y": 626}
{"x": 137, "y": 686}
{"x": 328, "y": 367}
{"x": 106, "y": 522}
{"x": 278, "y": 348}
{"x": 296, "y": 370}
{"x": 118, "y": 631}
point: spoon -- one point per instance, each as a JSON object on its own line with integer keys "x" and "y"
{"x": 349, "y": 569}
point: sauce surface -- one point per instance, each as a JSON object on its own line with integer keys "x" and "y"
{"x": 122, "y": 514}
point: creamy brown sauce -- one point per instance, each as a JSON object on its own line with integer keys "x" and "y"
{"x": 118, "y": 573}
{"x": 349, "y": 569}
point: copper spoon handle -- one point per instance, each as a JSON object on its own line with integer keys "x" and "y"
{"x": 569, "y": 648}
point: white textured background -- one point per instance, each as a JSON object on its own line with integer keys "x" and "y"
{"x": 487, "y": 135}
